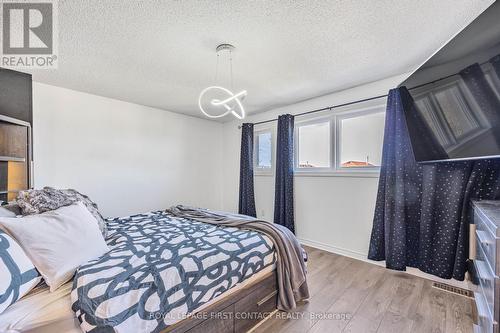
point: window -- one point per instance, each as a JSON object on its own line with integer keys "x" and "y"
{"x": 361, "y": 140}
{"x": 263, "y": 150}
{"x": 314, "y": 145}
{"x": 348, "y": 141}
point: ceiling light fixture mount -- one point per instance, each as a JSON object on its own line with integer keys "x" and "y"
{"x": 223, "y": 47}
{"x": 216, "y": 101}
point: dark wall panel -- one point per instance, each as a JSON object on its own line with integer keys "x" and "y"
{"x": 16, "y": 95}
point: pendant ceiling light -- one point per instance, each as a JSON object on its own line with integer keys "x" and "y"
{"x": 216, "y": 101}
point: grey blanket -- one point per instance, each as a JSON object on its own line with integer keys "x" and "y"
{"x": 290, "y": 265}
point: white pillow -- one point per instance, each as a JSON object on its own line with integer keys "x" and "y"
{"x": 59, "y": 241}
{"x": 17, "y": 274}
{"x": 4, "y": 212}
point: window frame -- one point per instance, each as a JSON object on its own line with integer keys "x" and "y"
{"x": 261, "y": 171}
{"x": 335, "y": 118}
{"x": 314, "y": 121}
{"x": 338, "y": 140}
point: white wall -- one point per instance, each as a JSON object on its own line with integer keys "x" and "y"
{"x": 131, "y": 158}
{"x": 331, "y": 212}
{"x": 127, "y": 157}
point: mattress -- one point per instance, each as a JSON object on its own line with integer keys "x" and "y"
{"x": 44, "y": 312}
{"x": 41, "y": 311}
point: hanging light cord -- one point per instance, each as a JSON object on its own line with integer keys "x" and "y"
{"x": 231, "y": 67}
{"x": 216, "y": 68}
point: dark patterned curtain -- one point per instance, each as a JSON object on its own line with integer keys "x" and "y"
{"x": 422, "y": 211}
{"x": 283, "y": 196}
{"x": 495, "y": 61}
{"x": 247, "y": 200}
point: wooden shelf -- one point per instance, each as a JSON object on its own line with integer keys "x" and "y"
{"x": 7, "y": 192}
{"x": 12, "y": 159}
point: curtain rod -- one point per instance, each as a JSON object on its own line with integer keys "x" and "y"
{"x": 358, "y": 101}
{"x": 323, "y": 109}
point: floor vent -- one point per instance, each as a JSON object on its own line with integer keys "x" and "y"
{"x": 452, "y": 289}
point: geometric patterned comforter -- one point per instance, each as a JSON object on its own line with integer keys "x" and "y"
{"x": 161, "y": 268}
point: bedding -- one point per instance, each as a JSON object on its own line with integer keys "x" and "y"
{"x": 17, "y": 274}
{"x": 59, "y": 241}
{"x": 76, "y": 196}
{"x": 41, "y": 311}
{"x": 4, "y": 212}
{"x": 291, "y": 264}
{"x": 10, "y": 209}
{"x": 160, "y": 268}
{"x": 47, "y": 199}
{"x": 39, "y": 201}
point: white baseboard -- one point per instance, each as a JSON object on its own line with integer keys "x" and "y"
{"x": 364, "y": 257}
{"x": 338, "y": 250}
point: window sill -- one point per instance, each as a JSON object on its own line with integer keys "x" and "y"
{"x": 263, "y": 174}
{"x": 352, "y": 174}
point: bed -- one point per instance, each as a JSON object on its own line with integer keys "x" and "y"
{"x": 44, "y": 312}
{"x": 206, "y": 278}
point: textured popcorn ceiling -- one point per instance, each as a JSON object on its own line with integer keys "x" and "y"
{"x": 161, "y": 53}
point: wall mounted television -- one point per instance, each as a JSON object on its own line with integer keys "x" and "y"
{"x": 455, "y": 113}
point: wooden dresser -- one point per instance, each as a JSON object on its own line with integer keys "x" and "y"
{"x": 487, "y": 265}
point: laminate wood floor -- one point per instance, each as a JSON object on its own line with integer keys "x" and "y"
{"x": 349, "y": 295}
